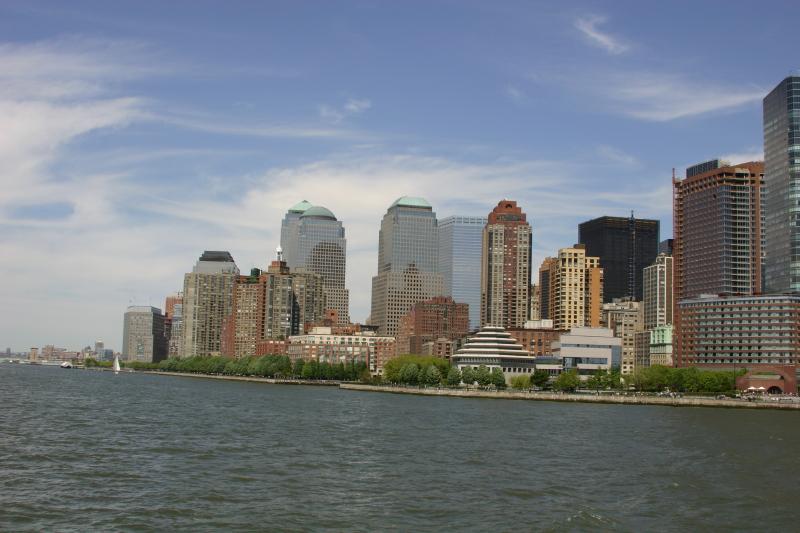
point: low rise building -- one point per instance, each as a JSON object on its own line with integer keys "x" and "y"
{"x": 322, "y": 345}
{"x": 589, "y": 350}
{"x": 537, "y": 337}
{"x": 660, "y": 349}
{"x": 493, "y": 347}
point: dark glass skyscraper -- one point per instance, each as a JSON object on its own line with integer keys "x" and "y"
{"x": 460, "y": 242}
{"x": 782, "y": 187}
{"x": 625, "y": 246}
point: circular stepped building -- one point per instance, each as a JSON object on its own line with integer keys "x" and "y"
{"x": 494, "y": 347}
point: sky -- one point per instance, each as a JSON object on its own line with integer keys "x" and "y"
{"x": 135, "y": 135}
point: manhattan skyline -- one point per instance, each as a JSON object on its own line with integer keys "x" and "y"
{"x": 135, "y": 136}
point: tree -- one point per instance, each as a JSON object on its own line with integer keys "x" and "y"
{"x": 521, "y": 382}
{"x": 567, "y": 381}
{"x": 483, "y": 376}
{"x": 454, "y": 377}
{"x": 468, "y": 375}
{"x": 539, "y": 378}
{"x": 498, "y": 379}
{"x": 297, "y": 369}
{"x": 409, "y": 374}
{"x": 432, "y": 375}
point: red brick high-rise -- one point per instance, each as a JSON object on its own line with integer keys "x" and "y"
{"x": 506, "y": 267}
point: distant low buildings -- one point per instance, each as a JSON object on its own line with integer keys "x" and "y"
{"x": 537, "y": 337}
{"x": 625, "y": 318}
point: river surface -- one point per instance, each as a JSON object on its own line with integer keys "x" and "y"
{"x": 93, "y": 451}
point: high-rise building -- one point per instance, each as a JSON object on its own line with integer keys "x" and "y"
{"x": 207, "y": 300}
{"x": 536, "y": 313}
{"x": 545, "y": 295}
{"x": 506, "y": 267}
{"x": 718, "y": 229}
{"x": 625, "y": 318}
{"x": 176, "y": 330}
{"x": 657, "y": 302}
{"x": 574, "y": 283}
{"x": 782, "y": 187}
{"x": 313, "y": 239}
{"x": 625, "y": 246}
{"x": 407, "y": 262}
{"x": 718, "y": 216}
{"x": 143, "y": 336}
{"x": 460, "y": 245}
{"x": 428, "y": 321}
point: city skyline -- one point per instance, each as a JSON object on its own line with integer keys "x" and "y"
{"x": 126, "y": 156}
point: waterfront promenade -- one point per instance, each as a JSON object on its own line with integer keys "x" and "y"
{"x": 587, "y": 397}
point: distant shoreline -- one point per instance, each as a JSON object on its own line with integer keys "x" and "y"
{"x": 254, "y": 379}
{"x": 572, "y": 397}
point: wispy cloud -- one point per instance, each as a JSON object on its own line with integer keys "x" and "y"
{"x": 352, "y": 106}
{"x": 514, "y": 93}
{"x": 588, "y": 26}
{"x": 745, "y": 156}
{"x": 616, "y": 155}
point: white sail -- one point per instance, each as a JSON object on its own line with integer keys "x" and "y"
{"x": 116, "y": 363}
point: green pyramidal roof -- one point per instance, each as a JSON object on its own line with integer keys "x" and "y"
{"x": 300, "y": 207}
{"x": 318, "y": 211}
{"x": 412, "y": 201}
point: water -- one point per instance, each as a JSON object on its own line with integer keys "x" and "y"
{"x": 91, "y": 451}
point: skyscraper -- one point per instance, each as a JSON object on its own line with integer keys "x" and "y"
{"x": 143, "y": 336}
{"x": 506, "y": 267}
{"x": 460, "y": 245}
{"x": 717, "y": 215}
{"x": 718, "y": 232}
{"x": 782, "y": 187}
{"x": 625, "y": 246}
{"x": 575, "y": 288}
{"x": 207, "y": 300}
{"x": 407, "y": 262}
{"x": 313, "y": 239}
{"x": 430, "y": 321}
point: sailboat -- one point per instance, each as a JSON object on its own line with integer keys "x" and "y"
{"x": 116, "y": 364}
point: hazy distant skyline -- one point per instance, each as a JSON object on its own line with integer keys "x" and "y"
{"x": 135, "y": 135}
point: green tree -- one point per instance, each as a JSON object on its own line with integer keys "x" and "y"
{"x": 521, "y": 382}
{"x": 409, "y": 374}
{"x": 432, "y": 375}
{"x": 468, "y": 375}
{"x": 540, "y": 378}
{"x": 454, "y": 377}
{"x": 498, "y": 379}
{"x": 567, "y": 381}
{"x": 297, "y": 368}
{"x": 483, "y": 376}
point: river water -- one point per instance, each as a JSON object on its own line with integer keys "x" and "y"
{"x": 94, "y": 451}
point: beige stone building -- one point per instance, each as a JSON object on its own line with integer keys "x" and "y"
{"x": 571, "y": 289}
{"x": 625, "y": 318}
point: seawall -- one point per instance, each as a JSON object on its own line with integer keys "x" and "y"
{"x": 585, "y": 398}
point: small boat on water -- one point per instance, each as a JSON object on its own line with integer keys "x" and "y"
{"x": 66, "y": 364}
{"x": 115, "y": 366}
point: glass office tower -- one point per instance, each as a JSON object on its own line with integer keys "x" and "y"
{"x": 782, "y": 187}
{"x": 460, "y": 241}
{"x": 408, "y": 253}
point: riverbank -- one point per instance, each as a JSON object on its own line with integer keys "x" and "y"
{"x": 572, "y": 397}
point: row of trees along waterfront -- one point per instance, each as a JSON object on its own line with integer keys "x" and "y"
{"x": 435, "y": 371}
{"x": 268, "y": 366}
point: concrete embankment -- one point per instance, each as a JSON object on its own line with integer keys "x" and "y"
{"x": 587, "y": 398}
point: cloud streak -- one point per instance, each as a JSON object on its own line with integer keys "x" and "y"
{"x": 588, "y": 26}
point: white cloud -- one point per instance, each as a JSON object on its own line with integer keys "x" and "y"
{"x": 745, "y": 156}
{"x": 588, "y": 26}
{"x": 514, "y": 93}
{"x": 351, "y": 107}
{"x": 616, "y": 155}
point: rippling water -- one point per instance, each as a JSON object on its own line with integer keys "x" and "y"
{"x": 84, "y": 450}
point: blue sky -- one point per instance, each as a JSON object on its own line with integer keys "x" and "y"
{"x": 135, "y": 135}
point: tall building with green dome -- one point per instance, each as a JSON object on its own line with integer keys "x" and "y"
{"x": 313, "y": 239}
{"x": 408, "y": 253}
